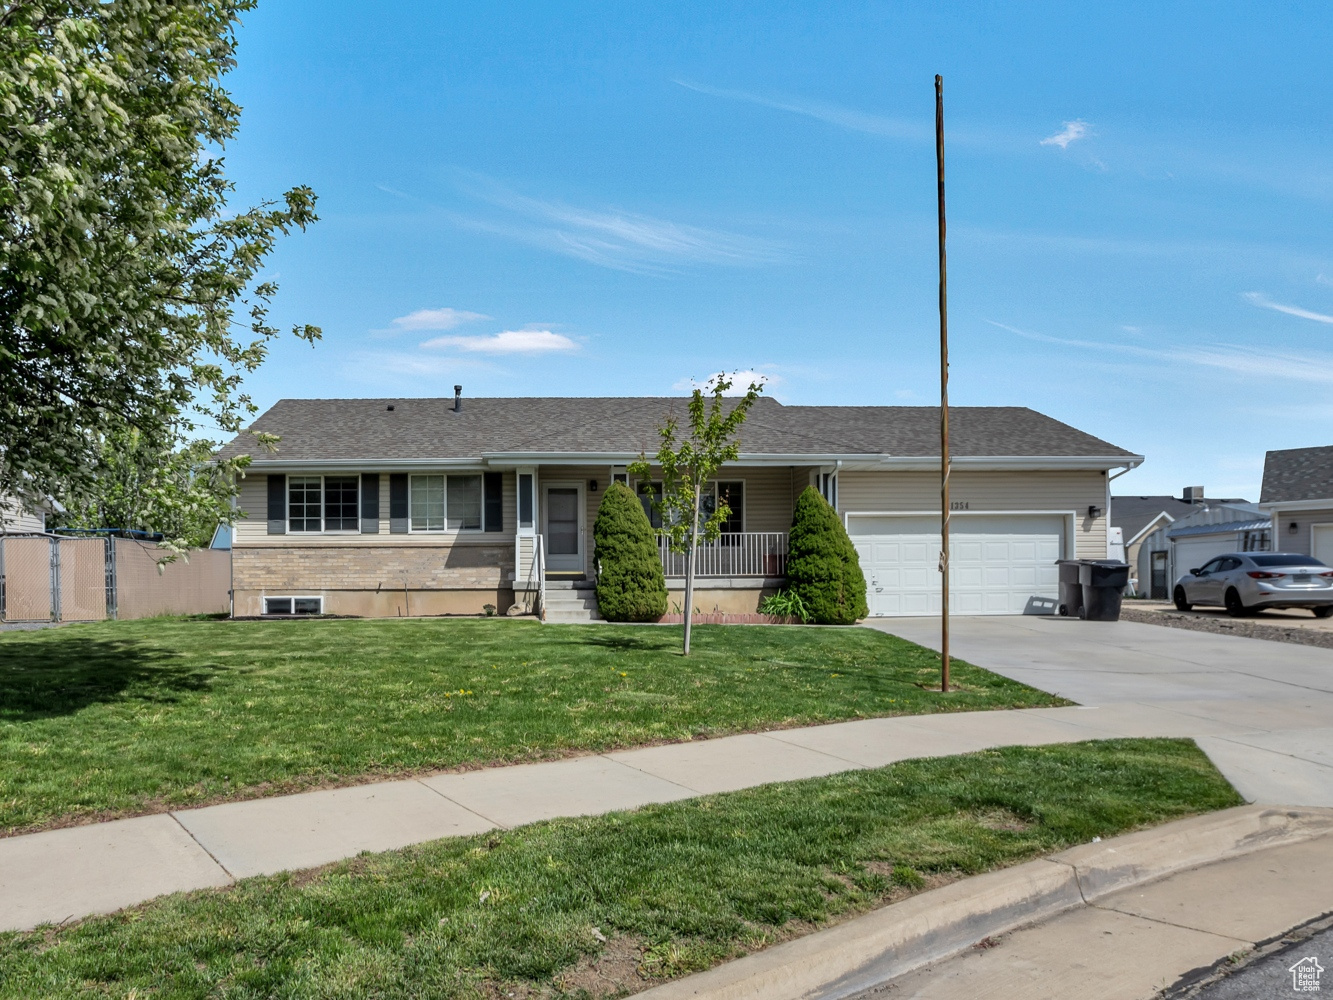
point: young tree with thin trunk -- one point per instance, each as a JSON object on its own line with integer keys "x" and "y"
{"x": 688, "y": 468}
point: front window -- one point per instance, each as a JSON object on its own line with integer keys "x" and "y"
{"x": 463, "y": 504}
{"x": 323, "y": 503}
{"x": 446, "y": 502}
{"x": 340, "y": 503}
{"x": 304, "y": 500}
{"x": 648, "y": 494}
{"x": 427, "y": 503}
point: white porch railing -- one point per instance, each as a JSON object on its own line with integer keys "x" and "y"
{"x": 530, "y": 572}
{"x": 749, "y": 553}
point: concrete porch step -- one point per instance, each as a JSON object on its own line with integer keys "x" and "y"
{"x": 568, "y": 583}
{"x": 555, "y": 615}
{"x": 571, "y": 601}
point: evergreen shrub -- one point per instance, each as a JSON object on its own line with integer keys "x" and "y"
{"x": 630, "y": 585}
{"x": 822, "y": 565}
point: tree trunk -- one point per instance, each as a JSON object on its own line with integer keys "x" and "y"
{"x": 689, "y": 568}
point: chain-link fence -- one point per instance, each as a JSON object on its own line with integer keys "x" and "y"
{"x": 50, "y": 578}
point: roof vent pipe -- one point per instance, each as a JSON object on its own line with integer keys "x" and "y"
{"x": 458, "y": 399}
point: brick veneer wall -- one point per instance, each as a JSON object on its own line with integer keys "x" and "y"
{"x": 384, "y": 567}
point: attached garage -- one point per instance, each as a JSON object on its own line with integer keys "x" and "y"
{"x": 999, "y": 562}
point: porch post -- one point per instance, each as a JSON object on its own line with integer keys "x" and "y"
{"x": 526, "y": 540}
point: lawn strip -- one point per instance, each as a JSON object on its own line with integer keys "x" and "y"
{"x": 123, "y": 718}
{"x": 622, "y": 901}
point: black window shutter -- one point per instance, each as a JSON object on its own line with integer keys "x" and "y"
{"x": 277, "y": 505}
{"x": 370, "y": 503}
{"x": 493, "y": 501}
{"x": 398, "y": 503}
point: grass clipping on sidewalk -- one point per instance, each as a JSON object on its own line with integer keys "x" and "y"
{"x": 608, "y": 905}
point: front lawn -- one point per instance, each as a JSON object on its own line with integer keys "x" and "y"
{"x": 124, "y": 717}
{"x": 614, "y": 903}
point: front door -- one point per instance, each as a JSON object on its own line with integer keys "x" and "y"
{"x": 563, "y": 527}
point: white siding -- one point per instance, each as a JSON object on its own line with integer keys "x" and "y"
{"x": 987, "y": 491}
{"x": 1302, "y": 539}
{"x": 16, "y": 519}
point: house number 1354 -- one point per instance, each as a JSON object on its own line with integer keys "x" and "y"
{"x": 958, "y": 505}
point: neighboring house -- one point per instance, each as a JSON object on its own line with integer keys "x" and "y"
{"x": 1139, "y": 517}
{"x": 1298, "y": 495}
{"x": 439, "y": 506}
{"x": 19, "y": 518}
{"x": 1188, "y": 542}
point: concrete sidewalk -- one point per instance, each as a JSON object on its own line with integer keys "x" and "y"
{"x": 70, "y": 873}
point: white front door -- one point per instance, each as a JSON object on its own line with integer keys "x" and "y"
{"x": 562, "y": 527}
{"x": 998, "y": 562}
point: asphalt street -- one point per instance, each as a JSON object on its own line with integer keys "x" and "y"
{"x": 1270, "y": 977}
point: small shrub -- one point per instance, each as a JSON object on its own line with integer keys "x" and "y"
{"x": 785, "y": 604}
{"x": 630, "y": 585}
{"x": 489, "y": 609}
{"x": 822, "y": 566}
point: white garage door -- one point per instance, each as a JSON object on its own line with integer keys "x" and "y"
{"x": 1191, "y": 553}
{"x": 998, "y": 562}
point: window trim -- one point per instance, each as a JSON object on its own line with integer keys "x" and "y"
{"x": 480, "y": 475}
{"x": 323, "y": 494}
{"x": 293, "y": 598}
{"x": 712, "y": 485}
{"x": 745, "y": 501}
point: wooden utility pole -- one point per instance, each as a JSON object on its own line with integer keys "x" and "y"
{"x": 944, "y": 394}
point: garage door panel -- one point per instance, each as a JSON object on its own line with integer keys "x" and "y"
{"x": 997, "y": 563}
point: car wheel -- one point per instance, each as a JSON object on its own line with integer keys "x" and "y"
{"x": 1235, "y": 606}
{"x": 1323, "y": 612}
{"x": 1181, "y": 603}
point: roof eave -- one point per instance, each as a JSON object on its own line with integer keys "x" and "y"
{"x": 850, "y": 461}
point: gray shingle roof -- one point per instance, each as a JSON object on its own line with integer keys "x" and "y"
{"x": 1133, "y": 514}
{"x": 1296, "y": 474}
{"x": 427, "y": 429}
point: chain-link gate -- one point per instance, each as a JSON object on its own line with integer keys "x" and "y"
{"x": 52, "y": 578}
{"x": 43, "y": 578}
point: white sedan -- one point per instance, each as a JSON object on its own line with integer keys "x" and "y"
{"x": 1246, "y": 582}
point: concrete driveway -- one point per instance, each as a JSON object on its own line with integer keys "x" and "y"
{"x": 1271, "y": 703}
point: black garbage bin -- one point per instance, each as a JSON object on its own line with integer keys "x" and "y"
{"x": 1103, "y": 582}
{"x": 1071, "y": 591}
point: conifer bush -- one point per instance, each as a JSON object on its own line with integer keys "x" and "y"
{"x": 630, "y": 585}
{"x": 822, "y": 566}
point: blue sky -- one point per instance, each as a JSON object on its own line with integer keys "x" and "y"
{"x": 605, "y": 199}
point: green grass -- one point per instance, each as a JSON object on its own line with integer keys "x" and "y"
{"x": 672, "y": 888}
{"x": 123, "y": 717}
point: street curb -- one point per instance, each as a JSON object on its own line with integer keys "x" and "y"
{"x": 888, "y": 942}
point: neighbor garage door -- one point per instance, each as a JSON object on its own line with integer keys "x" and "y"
{"x": 998, "y": 562}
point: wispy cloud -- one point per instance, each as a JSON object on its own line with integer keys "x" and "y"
{"x": 1323, "y": 279}
{"x": 1072, "y": 132}
{"x": 740, "y": 382}
{"x": 436, "y": 319}
{"x": 1264, "y": 302}
{"x": 507, "y": 342}
{"x": 1306, "y": 367}
{"x": 387, "y": 366}
{"x": 625, "y": 241}
{"x": 832, "y": 114}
